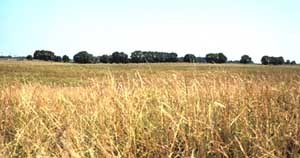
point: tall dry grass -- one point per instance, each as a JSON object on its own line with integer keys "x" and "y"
{"x": 170, "y": 114}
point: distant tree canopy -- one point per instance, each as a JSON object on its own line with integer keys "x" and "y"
{"x": 119, "y": 57}
{"x": 246, "y": 59}
{"x": 9, "y": 56}
{"x": 266, "y": 60}
{"x": 152, "y": 57}
{"x": 200, "y": 60}
{"x": 29, "y": 57}
{"x": 44, "y": 55}
{"x": 216, "y": 58}
{"x": 65, "y": 58}
{"x": 105, "y": 59}
{"x": 190, "y": 58}
{"x": 288, "y": 62}
{"x": 58, "y": 59}
{"x": 83, "y": 57}
{"x": 233, "y": 61}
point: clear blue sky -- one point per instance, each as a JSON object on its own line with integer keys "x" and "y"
{"x": 234, "y": 27}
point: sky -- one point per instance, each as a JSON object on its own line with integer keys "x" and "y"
{"x": 234, "y": 27}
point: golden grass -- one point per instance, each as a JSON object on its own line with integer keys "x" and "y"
{"x": 157, "y": 110}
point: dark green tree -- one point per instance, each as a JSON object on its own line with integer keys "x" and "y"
{"x": 190, "y": 58}
{"x": 83, "y": 57}
{"x": 246, "y": 59}
{"x": 172, "y": 57}
{"x": 66, "y": 59}
{"x": 278, "y": 61}
{"x": 266, "y": 60}
{"x": 137, "y": 57}
{"x": 221, "y": 58}
{"x": 58, "y": 59}
{"x": 216, "y": 58}
{"x": 119, "y": 57}
{"x": 211, "y": 58}
{"x": 152, "y": 57}
{"x": 288, "y": 62}
{"x": 29, "y": 57}
{"x": 106, "y": 58}
{"x": 44, "y": 55}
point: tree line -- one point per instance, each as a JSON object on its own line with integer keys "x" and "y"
{"x": 84, "y": 57}
{"x": 47, "y": 56}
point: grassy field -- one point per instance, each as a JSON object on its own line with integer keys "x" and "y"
{"x": 148, "y": 110}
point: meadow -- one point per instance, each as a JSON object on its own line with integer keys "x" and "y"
{"x": 50, "y": 109}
